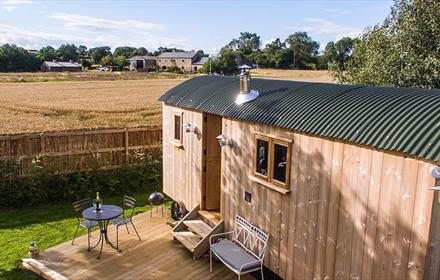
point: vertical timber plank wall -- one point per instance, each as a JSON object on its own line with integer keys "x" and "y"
{"x": 182, "y": 171}
{"x": 353, "y": 212}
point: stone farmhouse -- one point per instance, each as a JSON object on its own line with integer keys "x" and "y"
{"x": 185, "y": 61}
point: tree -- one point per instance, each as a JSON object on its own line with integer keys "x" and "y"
{"x": 304, "y": 49}
{"x": 140, "y": 51}
{"x": 47, "y": 53}
{"x": 86, "y": 63}
{"x": 339, "y": 53}
{"x": 67, "y": 52}
{"x": 165, "y": 49}
{"x": 82, "y": 50}
{"x": 200, "y": 53}
{"x": 403, "y": 51}
{"x": 124, "y": 51}
{"x": 120, "y": 60}
{"x": 275, "y": 55}
{"x": 107, "y": 60}
{"x": 98, "y": 53}
{"x": 16, "y": 59}
{"x": 225, "y": 63}
{"x": 247, "y": 44}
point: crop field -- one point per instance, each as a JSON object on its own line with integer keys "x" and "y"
{"x": 95, "y": 99}
{"x": 319, "y": 76}
{"x": 85, "y": 76}
{"x": 31, "y": 107}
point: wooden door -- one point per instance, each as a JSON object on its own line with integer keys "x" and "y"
{"x": 213, "y": 128}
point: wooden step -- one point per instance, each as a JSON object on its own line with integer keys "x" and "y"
{"x": 40, "y": 269}
{"x": 212, "y": 217}
{"x": 198, "y": 227}
{"x": 188, "y": 239}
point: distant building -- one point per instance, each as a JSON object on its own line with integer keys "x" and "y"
{"x": 33, "y": 52}
{"x": 60, "y": 66}
{"x": 142, "y": 63}
{"x": 198, "y": 64}
{"x": 181, "y": 60}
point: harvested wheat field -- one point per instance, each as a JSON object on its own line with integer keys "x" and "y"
{"x": 85, "y": 76}
{"x": 49, "y": 106}
{"x": 319, "y": 76}
{"x": 96, "y": 100}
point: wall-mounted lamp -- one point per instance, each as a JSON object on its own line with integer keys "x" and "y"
{"x": 223, "y": 141}
{"x": 435, "y": 172}
{"x": 189, "y": 128}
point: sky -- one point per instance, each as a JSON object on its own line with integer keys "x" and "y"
{"x": 190, "y": 25}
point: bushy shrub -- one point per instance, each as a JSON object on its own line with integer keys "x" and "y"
{"x": 43, "y": 184}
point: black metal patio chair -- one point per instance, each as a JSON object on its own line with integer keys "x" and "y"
{"x": 79, "y": 206}
{"x": 129, "y": 204}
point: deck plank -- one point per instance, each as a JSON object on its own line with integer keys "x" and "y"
{"x": 157, "y": 256}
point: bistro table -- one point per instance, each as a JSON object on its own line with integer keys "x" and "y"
{"x": 103, "y": 217}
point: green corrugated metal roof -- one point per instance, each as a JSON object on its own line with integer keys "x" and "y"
{"x": 397, "y": 119}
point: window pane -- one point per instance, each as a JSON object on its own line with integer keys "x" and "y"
{"x": 261, "y": 164}
{"x": 279, "y": 163}
{"x": 177, "y": 127}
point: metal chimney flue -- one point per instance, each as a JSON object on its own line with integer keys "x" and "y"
{"x": 246, "y": 94}
{"x": 245, "y": 82}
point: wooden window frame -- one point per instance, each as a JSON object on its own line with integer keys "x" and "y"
{"x": 176, "y": 141}
{"x": 272, "y": 159}
{"x": 267, "y": 139}
{"x": 272, "y": 140}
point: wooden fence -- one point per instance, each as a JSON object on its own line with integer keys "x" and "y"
{"x": 78, "y": 149}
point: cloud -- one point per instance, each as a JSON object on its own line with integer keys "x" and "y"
{"x": 30, "y": 39}
{"x": 94, "y": 24}
{"x": 326, "y": 27}
{"x": 35, "y": 40}
{"x": 11, "y": 5}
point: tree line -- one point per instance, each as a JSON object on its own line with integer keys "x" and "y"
{"x": 297, "y": 51}
{"x": 18, "y": 59}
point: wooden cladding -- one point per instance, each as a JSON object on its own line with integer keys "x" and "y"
{"x": 272, "y": 160}
{"x": 352, "y": 212}
{"x": 183, "y": 166}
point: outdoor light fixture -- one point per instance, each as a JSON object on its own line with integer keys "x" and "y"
{"x": 223, "y": 141}
{"x": 189, "y": 128}
{"x": 435, "y": 172}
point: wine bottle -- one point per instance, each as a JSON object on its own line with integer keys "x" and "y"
{"x": 98, "y": 202}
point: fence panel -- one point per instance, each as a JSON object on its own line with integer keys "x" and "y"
{"x": 74, "y": 150}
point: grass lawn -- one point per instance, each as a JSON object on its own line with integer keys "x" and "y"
{"x": 48, "y": 225}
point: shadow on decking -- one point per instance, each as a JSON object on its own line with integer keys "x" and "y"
{"x": 157, "y": 256}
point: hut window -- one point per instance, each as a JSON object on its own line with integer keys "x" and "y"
{"x": 280, "y": 151}
{"x": 178, "y": 127}
{"x": 272, "y": 160}
{"x": 262, "y": 156}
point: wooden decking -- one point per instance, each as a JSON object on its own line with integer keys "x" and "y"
{"x": 157, "y": 256}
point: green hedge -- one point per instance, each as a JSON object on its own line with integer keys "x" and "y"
{"x": 43, "y": 184}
